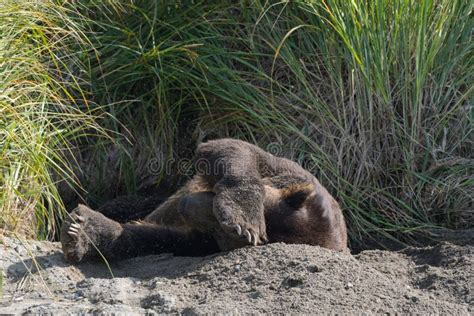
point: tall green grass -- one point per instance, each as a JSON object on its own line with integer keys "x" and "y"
{"x": 41, "y": 114}
{"x": 373, "y": 97}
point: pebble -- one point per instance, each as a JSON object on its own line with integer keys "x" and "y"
{"x": 162, "y": 301}
{"x": 255, "y": 295}
{"x": 314, "y": 269}
{"x": 412, "y": 298}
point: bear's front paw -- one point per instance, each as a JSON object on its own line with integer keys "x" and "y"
{"x": 253, "y": 232}
{"x": 238, "y": 207}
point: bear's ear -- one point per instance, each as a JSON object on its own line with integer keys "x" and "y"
{"x": 296, "y": 194}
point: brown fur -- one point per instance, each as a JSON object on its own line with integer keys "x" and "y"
{"x": 239, "y": 195}
{"x": 315, "y": 219}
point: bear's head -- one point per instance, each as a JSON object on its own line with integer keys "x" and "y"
{"x": 298, "y": 211}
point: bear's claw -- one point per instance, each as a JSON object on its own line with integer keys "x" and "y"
{"x": 75, "y": 244}
{"x": 78, "y": 218}
{"x": 238, "y": 229}
{"x": 248, "y": 235}
{"x": 74, "y": 229}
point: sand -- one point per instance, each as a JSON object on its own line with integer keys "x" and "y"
{"x": 275, "y": 278}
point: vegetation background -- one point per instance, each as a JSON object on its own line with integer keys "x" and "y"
{"x": 374, "y": 97}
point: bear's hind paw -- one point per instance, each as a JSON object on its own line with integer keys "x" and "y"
{"x": 75, "y": 227}
{"x": 74, "y": 240}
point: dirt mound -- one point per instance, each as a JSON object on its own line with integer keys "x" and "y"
{"x": 276, "y": 278}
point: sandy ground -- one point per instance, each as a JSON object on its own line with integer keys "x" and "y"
{"x": 276, "y": 278}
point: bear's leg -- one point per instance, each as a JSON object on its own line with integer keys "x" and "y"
{"x": 167, "y": 213}
{"x": 86, "y": 229}
{"x": 238, "y": 206}
{"x": 231, "y": 168}
{"x": 197, "y": 211}
{"x": 89, "y": 234}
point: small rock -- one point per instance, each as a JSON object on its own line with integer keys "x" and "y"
{"x": 155, "y": 284}
{"x": 294, "y": 281}
{"x": 255, "y": 295}
{"x": 159, "y": 301}
{"x": 70, "y": 296}
{"x": 349, "y": 285}
{"x": 314, "y": 269}
{"x": 189, "y": 311}
{"x": 413, "y": 298}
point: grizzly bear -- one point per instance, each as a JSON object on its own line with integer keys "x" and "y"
{"x": 239, "y": 195}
